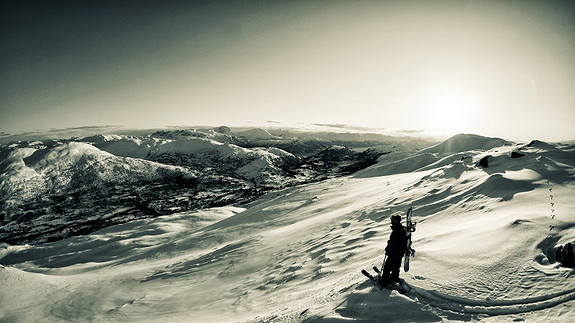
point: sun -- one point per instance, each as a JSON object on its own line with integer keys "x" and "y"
{"x": 451, "y": 107}
{"x": 448, "y": 103}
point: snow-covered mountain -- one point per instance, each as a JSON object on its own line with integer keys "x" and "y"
{"x": 485, "y": 251}
{"x": 51, "y": 192}
{"x": 52, "y": 189}
{"x": 466, "y": 142}
{"x": 458, "y": 147}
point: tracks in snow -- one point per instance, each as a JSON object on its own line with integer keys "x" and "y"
{"x": 489, "y": 307}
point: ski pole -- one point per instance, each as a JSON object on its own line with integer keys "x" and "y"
{"x": 382, "y": 265}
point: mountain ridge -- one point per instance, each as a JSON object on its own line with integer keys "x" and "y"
{"x": 51, "y": 184}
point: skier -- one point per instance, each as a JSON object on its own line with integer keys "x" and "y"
{"x": 394, "y": 252}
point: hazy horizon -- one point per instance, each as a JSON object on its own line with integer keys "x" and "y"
{"x": 500, "y": 68}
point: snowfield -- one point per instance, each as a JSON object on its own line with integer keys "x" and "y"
{"x": 484, "y": 249}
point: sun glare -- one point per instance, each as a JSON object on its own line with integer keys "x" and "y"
{"x": 447, "y": 103}
{"x": 450, "y": 107}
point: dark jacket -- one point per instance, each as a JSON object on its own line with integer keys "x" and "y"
{"x": 397, "y": 243}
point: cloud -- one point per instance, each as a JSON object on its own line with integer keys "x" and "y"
{"x": 345, "y": 126}
{"x": 410, "y": 131}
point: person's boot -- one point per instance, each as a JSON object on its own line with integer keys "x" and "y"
{"x": 383, "y": 280}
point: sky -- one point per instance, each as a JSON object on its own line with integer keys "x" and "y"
{"x": 495, "y": 68}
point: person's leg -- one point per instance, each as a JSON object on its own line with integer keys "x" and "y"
{"x": 385, "y": 274}
{"x": 395, "y": 265}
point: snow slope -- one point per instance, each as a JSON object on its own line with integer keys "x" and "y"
{"x": 465, "y": 142}
{"x": 455, "y": 148}
{"x": 484, "y": 251}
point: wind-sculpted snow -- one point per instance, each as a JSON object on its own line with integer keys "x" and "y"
{"x": 484, "y": 251}
{"x": 491, "y": 307}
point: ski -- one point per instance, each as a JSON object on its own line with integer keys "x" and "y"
{"x": 372, "y": 279}
{"x": 409, "y": 228}
{"x": 392, "y": 285}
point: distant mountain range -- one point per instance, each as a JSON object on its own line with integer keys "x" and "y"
{"x": 51, "y": 189}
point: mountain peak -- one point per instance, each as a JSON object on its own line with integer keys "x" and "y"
{"x": 465, "y": 142}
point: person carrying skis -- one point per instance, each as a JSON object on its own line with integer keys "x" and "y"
{"x": 394, "y": 252}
